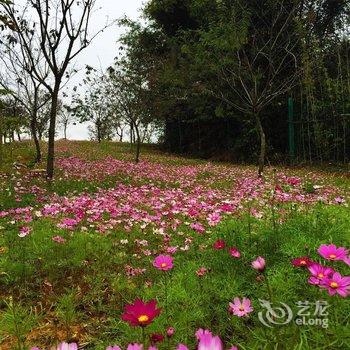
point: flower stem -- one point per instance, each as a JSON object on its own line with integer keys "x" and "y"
{"x": 269, "y": 290}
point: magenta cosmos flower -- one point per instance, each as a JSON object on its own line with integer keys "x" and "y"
{"x": 332, "y": 252}
{"x": 337, "y": 284}
{"x": 240, "y": 308}
{"x": 303, "y": 261}
{"x": 114, "y": 347}
{"x": 347, "y": 260}
{"x": 259, "y": 264}
{"x": 219, "y": 244}
{"x": 319, "y": 273}
{"x": 163, "y": 262}
{"x": 140, "y": 313}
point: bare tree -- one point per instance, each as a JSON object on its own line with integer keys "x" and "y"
{"x": 64, "y": 118}
{"x": 19, "y": 80}
{"x": 127, "y": 88}
{"x": 60, "y": 31}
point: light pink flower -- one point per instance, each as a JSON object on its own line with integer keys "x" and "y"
{"x": 24, "y": 231}
{"x": 59, "y": 239}
{"x": 210, "y": 342}
{"x": 170, "y": 332}
{"x": 182, "y": 347}
{"x": 67, "y": 346}
{"x": 200, "y": 332}
{"x": 259, "y": 264}
{"x": 135, "y": 347}
{"x": 240, "y": 308}
{"x": 201, "y": 271}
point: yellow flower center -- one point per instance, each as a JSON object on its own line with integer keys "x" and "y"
{"x": 332, "y": 256}
{"x": 164, "y": 264}
{"x": 241, "y": 308}
{"x": 143, "y": 318}
{"x": 334, "y": 284}
{"x": 320, "y": 275}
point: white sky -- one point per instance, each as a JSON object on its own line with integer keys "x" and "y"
{"x": 103, "y": 49}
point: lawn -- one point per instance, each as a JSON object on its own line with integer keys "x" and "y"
{"x": 80, "y": 256}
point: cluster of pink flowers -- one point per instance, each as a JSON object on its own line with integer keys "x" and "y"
{"x": 324, "y": 276}
{"x": 206, "y": 341}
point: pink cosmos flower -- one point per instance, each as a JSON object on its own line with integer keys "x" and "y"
{"x": 200, "y": 332}
{"x": 213, "y": 219}
{"x": 24, "y": 231}
{"x": 198, "y": 227}
{"x": 210, "y": 342}
{"x": 170, "y": 332}
{"x": 135, "y": 347}
{"x": 201, "y": 271}
{"x": 163, "y": 262}
{"x": 259, "y": 264}
{"x": 337, "y": 284}
{"x": 234, "y": 252}
{"x": 171, "y": 250}
{"x": 114, "y": 347}
{"x": 240, "y": 308}
{"x": 67, "y": 346}
{"x": 332, "y": 252}
{"x": 219, "y": 244}
{"x": 233, "y": 348}
{"x": 319, "y": 273}
{"x": 59, "y": 239}
{"x": 303, "y": 261}
{"x": 347, "y": 260}
{"x": 339, "y": 200}
{"x": 182, "y": 347}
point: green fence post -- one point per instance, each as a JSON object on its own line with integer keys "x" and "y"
{"x": 291, "y": 142}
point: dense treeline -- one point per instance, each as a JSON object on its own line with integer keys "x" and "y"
{"x": 265, "y": 80}
{"x": 220, "y": 74}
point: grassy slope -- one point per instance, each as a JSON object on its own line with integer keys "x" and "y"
{"x": 77, "y": 290}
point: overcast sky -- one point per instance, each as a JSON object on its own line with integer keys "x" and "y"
{"x": 103, "y": 49}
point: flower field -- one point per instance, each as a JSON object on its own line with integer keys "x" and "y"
{"x": 171, "y": 253}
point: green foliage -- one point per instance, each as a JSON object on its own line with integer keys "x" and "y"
{"x": 17, "y": 321}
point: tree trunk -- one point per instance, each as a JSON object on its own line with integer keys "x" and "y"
{"x": 35, "y": 138}
{"x": 262, "y": 144}
{"x": 98, "y": 126}
{"x": 52, "y": 131}
{"x": 138, "y": 143}
{"x": 1, "y": 148}
{"x": 65, "y": 130}
{"x": 18, "y": 135}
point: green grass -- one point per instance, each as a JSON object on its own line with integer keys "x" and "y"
{"x": 77, "y": 291}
